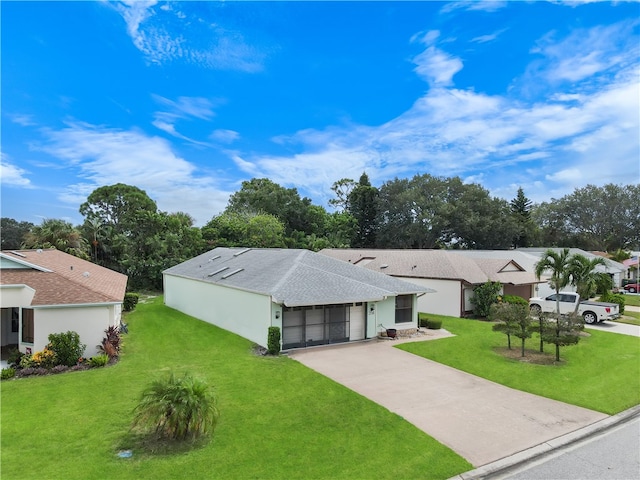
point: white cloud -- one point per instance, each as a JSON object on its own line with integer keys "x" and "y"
{"x": 586, "y": 52}
{"x": 224, "y": 136}
{"x": 12, "y": 175}
{"x": 163, "y": 35}
{"x": 183, "y": 108}
{"x": 490, "y": 37}
{"x": 436, "y": 66}
{"x": 105, "y": 156}
{"x": 579, "y": 135}
{"x": 22, "y": 119}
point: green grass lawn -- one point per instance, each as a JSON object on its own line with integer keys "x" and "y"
{"x": 633, "y": 300}
{"x": 602, "y": 372}
{"x": 278, "y": 419}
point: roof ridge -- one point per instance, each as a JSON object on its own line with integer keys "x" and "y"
{"x": 292, "y": 268}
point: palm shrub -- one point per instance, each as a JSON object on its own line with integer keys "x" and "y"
{"x": 176, "y": 408}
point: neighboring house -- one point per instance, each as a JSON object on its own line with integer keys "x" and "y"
{"x": 616, "y": 270}
{"x": 49, "y": 291}
{"x": 314, "y": 299}
{"x": 633, "y": 267}
{"x": 451, "y": 275}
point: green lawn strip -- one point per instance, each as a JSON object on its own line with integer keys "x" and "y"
{"x": 278, "y": 419}
{"x": 632, "y": 318}
{"x": 633, "y": 300}
{"x": 601, "y": 373}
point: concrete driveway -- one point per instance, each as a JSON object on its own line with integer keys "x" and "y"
{"x": 480, "y": 420}
{"x": 616, "y": 327}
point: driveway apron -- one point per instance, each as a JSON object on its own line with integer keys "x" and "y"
{"x": 480, "y": 420}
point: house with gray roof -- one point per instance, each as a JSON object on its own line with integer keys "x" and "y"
{"x": 312, "y": 298}
{"x": 452, "y": 275}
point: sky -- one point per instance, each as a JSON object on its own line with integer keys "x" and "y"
{"x": 186, "y": 100}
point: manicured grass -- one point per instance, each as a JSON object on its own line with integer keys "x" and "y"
{"x": 633, "y": 300}
{"x": 602, "y": 372}
{"x": 278, "y": 419}
{"x": 632, "y": 318}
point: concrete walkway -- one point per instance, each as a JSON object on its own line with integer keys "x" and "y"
{"x": 615, "y": 327}
{"x": 480, "y": 420}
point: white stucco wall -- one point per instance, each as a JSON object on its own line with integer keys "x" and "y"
{"x": 247, "y": 314}
{"x": 89, "y": 322}
{"x": 16, "y": 296}
{"x": 446, "y": 299}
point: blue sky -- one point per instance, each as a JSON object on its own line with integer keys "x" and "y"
{"x": 188, "y": 99}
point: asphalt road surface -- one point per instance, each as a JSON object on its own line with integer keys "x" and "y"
{"x": 611, "y": 455}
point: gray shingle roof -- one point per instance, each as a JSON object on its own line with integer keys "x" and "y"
{"x": 291, "y": 276}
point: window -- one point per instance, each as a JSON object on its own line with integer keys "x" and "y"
{"x": 27, "y": 325}
{"x": 15, "y": 319}
{"x": 404, "y": 308}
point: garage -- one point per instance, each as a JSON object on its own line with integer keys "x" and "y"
{"x": 322, "y": 325}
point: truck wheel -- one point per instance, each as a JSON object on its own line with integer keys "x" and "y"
{"x": 632, "y": 290}
{"x": 590, "y": 317}
{"x": 535, "y": 309}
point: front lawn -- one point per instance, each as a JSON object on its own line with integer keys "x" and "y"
{"x": 633, "y": 300}
{"x": 602, "y": 372}
{"x": 278, "y": 419}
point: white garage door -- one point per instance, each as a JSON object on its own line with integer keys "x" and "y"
{"x": 356, "y": 323}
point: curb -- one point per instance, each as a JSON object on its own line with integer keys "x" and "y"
{"x": 517, "y": 459}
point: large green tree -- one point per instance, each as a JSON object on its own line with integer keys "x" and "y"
{"x": 13, "y": 233}
{"x": 243, "y": 229}
{"x": 556, "y": 265}
{"x": 593, "y": 218}
{"x": 134, "y": 238}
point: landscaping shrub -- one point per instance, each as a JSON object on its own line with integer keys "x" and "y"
{"x": 59, "y": 369}
{"x": 26, "y": 372}
{"x": 434, "y": 324}
{"x": 177, "y": 408}
{"x": 67, "y": 347}
{"x": 99, "y": 361}
{"x": 7, "y": 373}
{"x": 45, "y": 358}
{"x": 514, "y": 299}
{"x": 614, "y": 298}
{"x": 14, "y": 357}
{"x": 273, "y": 341}
{"x": 423, "y": 320}
{"x": 130, "y": 301}
{"x": 111, "y": 343}
{"x": 26, "y": 361}
{"x": 483, "y": 296}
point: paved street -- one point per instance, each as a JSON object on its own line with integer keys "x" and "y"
{"x": 612, "y": 455}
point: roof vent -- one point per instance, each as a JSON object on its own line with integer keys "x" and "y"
{"x": 39, "y": 250}
{"x": 214, "y": 258}
{"x": 86, "y": 274}
{"x": 384, "y": 265}
{"x": 232, "y": 273}
{"x": 237, "y": 254}
{"x": 218, "y": 271}
{"x": 19, "y": 254}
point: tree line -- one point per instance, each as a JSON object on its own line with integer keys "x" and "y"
{"x": 124, "y": 230}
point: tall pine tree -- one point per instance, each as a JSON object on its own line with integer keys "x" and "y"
{"x": 521, "y": 212}
{"x": 363, "y": 206}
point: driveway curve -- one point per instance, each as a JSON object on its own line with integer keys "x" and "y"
{"x": 480, "y": 420}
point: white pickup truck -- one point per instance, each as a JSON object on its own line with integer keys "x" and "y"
{"x": 591, "y": 312}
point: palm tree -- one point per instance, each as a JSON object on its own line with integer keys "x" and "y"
{"x": 59, "y": 234}
{"x": 558, "y": 264}
{"x": 585, "y": 278}
{"x": 177, "y": 408}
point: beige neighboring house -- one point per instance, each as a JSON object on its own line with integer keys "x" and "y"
{"x": 451, "y": 275}
{"x": 49, "y": 291}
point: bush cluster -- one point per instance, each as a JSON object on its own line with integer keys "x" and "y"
{"x": 273, "y": 341}
{"x": 130, "y": 301}
{"x": 610, "y": 297}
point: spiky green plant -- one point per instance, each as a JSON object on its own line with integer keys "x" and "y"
{"x": 177, "y": 408}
